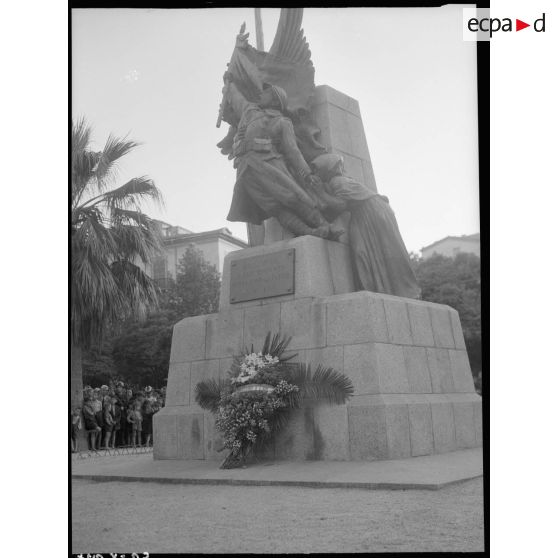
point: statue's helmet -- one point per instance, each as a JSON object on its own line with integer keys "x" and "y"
{"x": 280, "y": 95}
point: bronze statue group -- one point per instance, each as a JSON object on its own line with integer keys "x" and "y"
{"x": 284, "y": 172}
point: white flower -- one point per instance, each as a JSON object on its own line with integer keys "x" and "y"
{"x": 252, "y": 364}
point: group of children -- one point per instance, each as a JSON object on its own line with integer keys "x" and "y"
{"x": 116, "y": 416}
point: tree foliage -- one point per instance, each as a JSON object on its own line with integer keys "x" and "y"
{"x": 98, "y": 365}
{"x": 141, "y": 351}
{"x": 109, "y": 235}
{"x": 196, "y": 288}
{"x": 141, "y": 355}
{"x": 455, "y": 282}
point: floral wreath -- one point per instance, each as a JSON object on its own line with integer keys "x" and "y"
{"x": 253, "y": 403}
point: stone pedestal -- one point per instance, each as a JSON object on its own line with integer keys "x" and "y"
{"x": 414, "y": 392}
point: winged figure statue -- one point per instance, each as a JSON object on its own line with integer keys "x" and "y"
{"x": 284, "y": 172}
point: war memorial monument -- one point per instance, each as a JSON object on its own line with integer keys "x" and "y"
{"x": 327, "y": 266}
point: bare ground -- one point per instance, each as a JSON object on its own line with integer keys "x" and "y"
{"x": 157, "y": 518}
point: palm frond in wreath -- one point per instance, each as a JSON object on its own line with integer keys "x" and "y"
{"x": 324, "y": 384}
{"x": 274, "y": 346}
{"x": 208, "y": 393}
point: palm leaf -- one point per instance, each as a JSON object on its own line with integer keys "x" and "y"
{"x": 295, "y": 399}
{"x": 324, "y": 384}
{"x": 135, "y": 286}
{"x": 83, "y": 166}
{"x": 134, "y": 242}
{"x": 91, "y": 235}
{"x": 109, "y": 235}
{"x": 132, "y": 192}
{"x": 95, "y": 297}
{"x": 115, "y": 148}
{"x": 83, "y": 160}
{"x": 131, "y": 217}
{"x": 148, "y": 240}
{"x": 128, "y": 196}
{"x": 81, "y": 136}
{"x": 208, "y": 393}
{"x": 276, "y": 346}
{"x": 265, "y": 348}
{"x": 279, "y": 420}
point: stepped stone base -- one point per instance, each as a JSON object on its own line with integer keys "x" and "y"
{"x": 414, "y": 392}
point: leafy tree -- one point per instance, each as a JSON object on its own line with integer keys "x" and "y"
{"x": 455, "y": 282}
{"x": 196, "y": 289}
{"x": 98, "y": 365}
{"x": 109, "y": 234}
{"x": 141, "y": 354}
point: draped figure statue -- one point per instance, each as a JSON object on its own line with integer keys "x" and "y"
{"x": 381, "y": 262}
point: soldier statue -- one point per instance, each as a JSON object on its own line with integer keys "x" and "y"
{"x": 273, "y": 179}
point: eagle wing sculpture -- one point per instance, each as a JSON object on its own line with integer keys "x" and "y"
{"x": 288, "y": 64}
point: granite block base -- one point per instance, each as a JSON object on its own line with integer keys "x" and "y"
{"x": 414, "y": 392}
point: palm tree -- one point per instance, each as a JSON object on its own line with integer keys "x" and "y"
{"x": 110, "y": 238}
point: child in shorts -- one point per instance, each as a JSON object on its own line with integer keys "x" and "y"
{"x": 135, "y": 418}
{"x": 108, "y": 420}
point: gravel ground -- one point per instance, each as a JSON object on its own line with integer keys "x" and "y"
{"x": 152, "y": 517}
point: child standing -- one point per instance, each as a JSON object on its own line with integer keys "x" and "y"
{"x": 147, "y": 426}
{"x": 116, "y": 416}
{"x": 108, "y": 420}
{"x": 135, "y": 419}
{"x": 97, "y": 404}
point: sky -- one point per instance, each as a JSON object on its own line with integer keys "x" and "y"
{"x": 156, "y": 76}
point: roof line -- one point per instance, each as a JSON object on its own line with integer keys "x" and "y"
{"x": 223, "y": 233}
{"x": 464, "y": 237}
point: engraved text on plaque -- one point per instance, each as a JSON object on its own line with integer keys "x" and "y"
{"x": 263, "y": 276}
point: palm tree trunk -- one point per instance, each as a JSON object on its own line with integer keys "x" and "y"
{"x": 76, "y": 379}
{"x": 76, "y": 391}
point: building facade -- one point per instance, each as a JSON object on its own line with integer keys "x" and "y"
{"x": 214, "y": 245}
{"x": 452, "y": 245}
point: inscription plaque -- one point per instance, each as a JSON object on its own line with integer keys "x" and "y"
{"x": 263, "y": 276}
